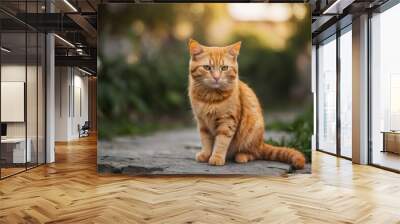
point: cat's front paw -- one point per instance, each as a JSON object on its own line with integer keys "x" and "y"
{"x": 202, "y": 157}
{"x": 216, "y": 160}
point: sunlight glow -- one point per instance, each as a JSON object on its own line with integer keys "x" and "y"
{"x": 183, "y": 30}
{"x": 260, "y": 12}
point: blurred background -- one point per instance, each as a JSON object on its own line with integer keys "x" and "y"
{"x": 143, "y": 65}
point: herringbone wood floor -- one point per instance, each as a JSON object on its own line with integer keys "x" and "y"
{"x": 70, "y": 191}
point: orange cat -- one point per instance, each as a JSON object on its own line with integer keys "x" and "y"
{"x": 228, "y": 114}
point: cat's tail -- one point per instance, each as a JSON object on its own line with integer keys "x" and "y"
{"x": 283, "y": 154}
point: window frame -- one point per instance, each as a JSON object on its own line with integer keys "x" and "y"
{"x": 25, "y": 30}
{"x": 347, "y": 27}
{"x": 371, "y": 13}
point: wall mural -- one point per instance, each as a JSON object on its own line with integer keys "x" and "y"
{"x": 204, "y": 89}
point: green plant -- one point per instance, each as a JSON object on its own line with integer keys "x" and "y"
{"x": 301, "y": 129}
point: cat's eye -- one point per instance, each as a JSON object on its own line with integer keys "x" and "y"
{"x": 207, "y": 67}
{"x": 224, "y": 68}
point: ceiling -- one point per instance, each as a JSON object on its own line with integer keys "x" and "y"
{"x": 76, "y": 20}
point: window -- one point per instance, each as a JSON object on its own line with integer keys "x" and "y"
{"x": 22, "y": 77}
{"x": 346, "y": 93}
{"x": 327, "y": 95}
{"x": 385, "y": 89}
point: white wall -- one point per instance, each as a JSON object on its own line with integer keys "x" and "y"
{"x": 62, "y": 82}
{"x": 71, "y": 102}
{"x": 80, "y": 104}
{"x": 33, "y": 126}
{"x": 12, "y": 73}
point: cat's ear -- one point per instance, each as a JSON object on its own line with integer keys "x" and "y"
{"x": 234, "y": 49}
{"x": 194, "y": 47}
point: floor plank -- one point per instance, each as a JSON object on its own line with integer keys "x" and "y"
{"x": 71, "y": 191}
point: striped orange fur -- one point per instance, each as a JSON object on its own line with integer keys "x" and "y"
{"x": 228, "y": 114}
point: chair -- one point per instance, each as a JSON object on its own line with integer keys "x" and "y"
{"x": 84, "y": 130}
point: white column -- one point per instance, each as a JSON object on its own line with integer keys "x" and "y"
{"x": 50, "y": 93}
{"x": 360, "y": 90}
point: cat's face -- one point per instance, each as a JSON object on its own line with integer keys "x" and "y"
{"x": 214, "y": 67}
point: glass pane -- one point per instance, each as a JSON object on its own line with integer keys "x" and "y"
{"x": 41, "y": 99}
{"x": 32, "y": 87}
{"x": 385, "y": 84}
{"x": 14, "y": 153}
{"x": 31, "y": 97}
{"x": 346, "y": 94}
{"x": 327, "y": 96}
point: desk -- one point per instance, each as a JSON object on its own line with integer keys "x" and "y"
{"x": 391, "y": 141}
{"x": 17, "y": 148}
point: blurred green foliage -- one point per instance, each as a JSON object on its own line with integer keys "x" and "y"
{"x": 149, "y": 91}
{"x": 142, "y": 98}
{"x": 301, "y": 130}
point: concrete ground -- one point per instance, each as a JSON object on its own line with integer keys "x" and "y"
{"x": 173, "y": 152}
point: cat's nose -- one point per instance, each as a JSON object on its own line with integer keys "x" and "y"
{"x": 216, "y": 76}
